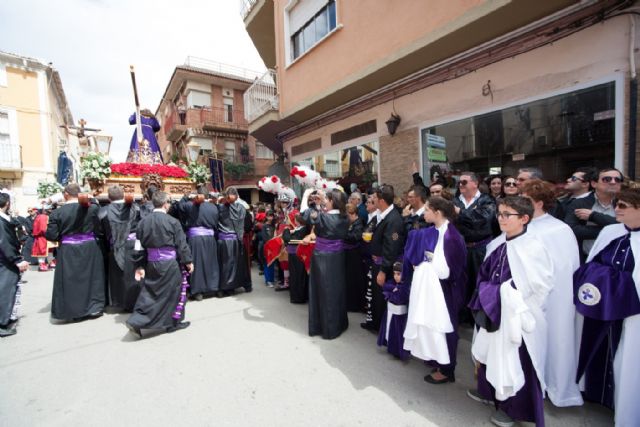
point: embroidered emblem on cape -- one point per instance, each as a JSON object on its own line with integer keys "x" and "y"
{"x": 395, "y": 236}
{"x": 589, "y": 294}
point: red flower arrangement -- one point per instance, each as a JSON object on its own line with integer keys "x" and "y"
{"x": 137, "y": 169}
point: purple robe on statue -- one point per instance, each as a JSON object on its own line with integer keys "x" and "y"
{"x": 397, "y": 297}
{"x": 149, "y": 152}
{"x": 527, "y": 404}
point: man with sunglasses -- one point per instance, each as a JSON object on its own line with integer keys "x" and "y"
{"x": 475, "y": 212}
{"x": 588, "y": 215}
{"x": 577, "y": 186}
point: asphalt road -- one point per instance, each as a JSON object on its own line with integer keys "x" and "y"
{"x": 245, "y": 360}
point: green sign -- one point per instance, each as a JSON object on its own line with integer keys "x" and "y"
{"x": 437, "y": 154}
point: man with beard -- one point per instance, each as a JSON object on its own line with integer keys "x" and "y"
{"x": 79, "y": 280}
{"x": 163, "y": 298}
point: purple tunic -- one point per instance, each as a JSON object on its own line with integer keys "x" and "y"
{"x": 150, "y": 153}
{"x": 605, "y": 294}
{"x": 527, "y": 404}
{"x": 398, "y": 294}
{"x": 424, "y": 240}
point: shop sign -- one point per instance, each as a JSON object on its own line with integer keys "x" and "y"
{"x": 517, "y": 157}
{"x": 604, "y": 115}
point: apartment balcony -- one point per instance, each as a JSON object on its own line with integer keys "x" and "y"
{"x": 258, "y": 17}
{"x": 10, "y": 159}
{"x": 212, "y": 118}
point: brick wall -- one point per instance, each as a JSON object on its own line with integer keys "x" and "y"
{"x": 396, "y": 156}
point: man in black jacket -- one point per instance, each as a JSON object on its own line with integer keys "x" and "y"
{"x": 11, "y": 266}
{"x": 387, "y": 245}
{"x": 475, "y": 212}
{"x": 588, "y": 215}
{"x": 413, "y": 213}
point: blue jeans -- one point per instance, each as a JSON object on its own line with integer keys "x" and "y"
{"x": 269, "y": 273}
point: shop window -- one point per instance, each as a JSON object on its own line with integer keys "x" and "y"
{"x": 555, "y": 134}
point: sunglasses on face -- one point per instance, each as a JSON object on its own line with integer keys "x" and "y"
{"x": 463, "y": 182}
{"x": 622, "y": 205}
{"x": 608, "y": 179}
{"x": 510, "y": 184}
{"x": 506, "y": 215}
{"x": 575, "y": 178}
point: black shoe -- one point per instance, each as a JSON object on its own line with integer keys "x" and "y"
{"x": 260, "y": 273}
{"x": 134, "y": 331}
{"x": 368, "y": 326}
{"x": 181, "y": 325}
{"x": 95, "y": 315}
{"x": 8, "y": 331}
{"x": 198, "y": 297}
{"x": 430, "y": 380}
{"x": 247, "y": 290}
{"x": 22, "y": 282}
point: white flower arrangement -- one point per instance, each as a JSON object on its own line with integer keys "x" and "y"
{"x": 48, "y": 188}
{"x": 95, "y": 166}
{"x": 198, "y": 173}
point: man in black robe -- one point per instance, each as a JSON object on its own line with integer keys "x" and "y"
{"x": 163, "y": 298}
{"x": 119, "y": 221}
{"x": 233, "y": 268}
{"x": 27, "y": 239}
{"x": 146, "y": 207}
{"x": 79, "y": 280}
{"x": 201, "y": 221}
{"x": 387, "y": 245}
{"x": 12, "y": 265}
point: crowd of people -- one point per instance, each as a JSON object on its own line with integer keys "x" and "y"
{"x": 549, "y": 284}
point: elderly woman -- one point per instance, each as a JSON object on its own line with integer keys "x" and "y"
{"x": 607, "y": 298}
{"x": 327, "y": 287}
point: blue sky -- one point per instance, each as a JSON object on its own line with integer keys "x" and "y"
{"x": 93, "y": 42}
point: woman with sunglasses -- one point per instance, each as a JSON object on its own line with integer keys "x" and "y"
{"x": 510, "y": 186}
{"x": 508, "y": 306}
{"x": 606, "y": 294}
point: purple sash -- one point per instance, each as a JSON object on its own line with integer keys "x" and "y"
{"x": 165, "y": 253}
{"x": 328, "y": 245}
{"x": 130, "y": 237}
{"x": 199, "y": 231}
{"x": 227, "y": 236}
{"x": 78, "y": 239}
{"x": 377, "y": 260}
{"x": 291, "y": 249}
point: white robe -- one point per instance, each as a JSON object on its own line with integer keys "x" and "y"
{"x": 428, "y": 319}
{"x": 560, "y": 242}
{"x": 532, "y": 272}
{"x": 626, "y": 374}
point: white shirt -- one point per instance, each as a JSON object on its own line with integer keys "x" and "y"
{"x": 159, "y": 210}
{"x": 333, "y": 211}
{"x": 464, "y": 201}
{"x": 383, "y": 215}
{"x": 420, "y": 211}
{"x": 372, "y": 215}
{"x": 5, "y": 216}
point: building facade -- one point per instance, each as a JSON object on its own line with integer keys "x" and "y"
{"x": 487, "y": 86}
{"x": 209, "y": 97}
{"x": 34, "y": 121}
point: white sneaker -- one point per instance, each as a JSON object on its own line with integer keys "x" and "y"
{"x": 501, "y": 419}
{"x": 270, "y": 285}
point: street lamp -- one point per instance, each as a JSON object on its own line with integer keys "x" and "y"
{"x": 193, "y": 151}
{"x": 103, "y": 143}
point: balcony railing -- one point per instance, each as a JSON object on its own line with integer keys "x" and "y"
{"x": 221, "y": 117}
{"x": 10, "y": 156}
{"x": 262, "y": 96}
{"x": 246, "y": 6}
{"x": 220, "y": 68}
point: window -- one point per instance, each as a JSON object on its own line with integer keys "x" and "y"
{"x": 556, "y": 134}
{"x": 228, "y": 109}
{"x": 3, "y": 75}
{"x": 196, "y": 99}
{"x": 313, "y": 30}
{"x": 5, "y": 136}
{"x": 206, "y": 145}
{"x": 262, "y": 152}
{"x": 230, "y": 151}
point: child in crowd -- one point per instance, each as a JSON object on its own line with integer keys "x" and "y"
{"x": 268, "y": 231}
{"x": 394, "y": 321}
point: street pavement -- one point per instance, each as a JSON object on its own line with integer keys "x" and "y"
{"x": 246, "y": 360}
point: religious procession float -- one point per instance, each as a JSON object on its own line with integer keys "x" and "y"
{"x": 144, "y": 165}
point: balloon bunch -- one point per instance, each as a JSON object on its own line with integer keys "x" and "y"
{"x": 312, "y": 179}
{"x": 272, "y": 184}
